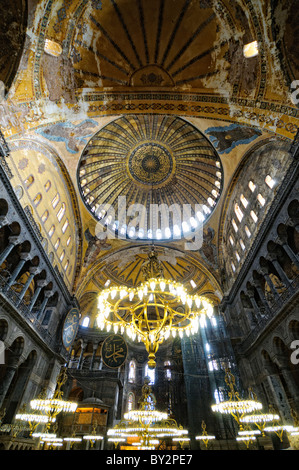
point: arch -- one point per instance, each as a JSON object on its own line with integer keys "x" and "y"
{"x": 86, "y": 321}
{"x": 61, "y": 212}
{"x": 47, "y": 185}
{"x": 241, "y": 220}
{"x": 293, "y": 328}
{"x": 15, "y": 228}
{"x": 3, "y": 207}
{"x": 55, "y": 200}
{"x": 293, "y": 210}
{"x": 131, "y": 401}
{"x": 45, "y": 216}
{"x": 280, "y": 348}
{"x": 14, "y": 23}
{"x": 51, "y": 231}
{"x": 3, "y": 329}
{"x": 238, "y": 212}
{"x": 57, "y": 243}
{"x": 66, "y": 265}
{"x": 29, "y": 181}
{"x": 37, "y": 200}
{"x": 132, "y": 371}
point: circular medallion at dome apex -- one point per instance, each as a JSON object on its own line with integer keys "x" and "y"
{"x": 150, "y": 163}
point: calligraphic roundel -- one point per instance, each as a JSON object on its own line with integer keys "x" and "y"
{"x": 114, "y": 351}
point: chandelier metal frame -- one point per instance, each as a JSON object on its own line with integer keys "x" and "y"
{"x": 152, "y": 311}
{"x": 147, "y": 424}
{"x": 235, "y": 406}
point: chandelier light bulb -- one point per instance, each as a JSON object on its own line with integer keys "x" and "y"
{"x": 153, "y": 311}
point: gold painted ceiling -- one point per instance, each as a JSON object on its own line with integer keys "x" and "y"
{"x": 112, "y": 94}
{"x": 150, "y": 160}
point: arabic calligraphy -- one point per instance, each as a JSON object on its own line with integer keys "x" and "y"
{"x": 114, "y": 351}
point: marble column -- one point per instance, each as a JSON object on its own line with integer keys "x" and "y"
{"x": 94, "y": 347}
{"x": 294, "y": 258}
{"x": 24, "y": 257}
{"x": 256, "y": 309}
{"x": 32, "y": 272}
{"x": 284, "y": 278}
{"x": 262, "y": 295}
{"x": 40, "y": 285}
{"x": 283, "y": 363}
{"x": 13, "y": 241}
{"x": 268, "y": 280}
{"x": 6, "y": 381}
{"x": 83, "y": 347}
{"x": 41, "y": 313}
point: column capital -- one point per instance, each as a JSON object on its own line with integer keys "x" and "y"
{"x": 282, "y": 239}
{"x": 14, "y": 239}
{"x": 25, "y": 256}
{"x": 264, "y": 270}
{"x": 272, "y": 256}
{"x": 3, "y": 220}
{"x": 48, "y": 293}
{"x": 34, "y": 270}
{"x": 256, "y": 283}
{"x": 249, "y": 292}
{"x": 42, "y": 283}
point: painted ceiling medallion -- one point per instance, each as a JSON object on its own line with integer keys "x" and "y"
{"x": 151, "y": 164}
{"x": 145, "y": 164}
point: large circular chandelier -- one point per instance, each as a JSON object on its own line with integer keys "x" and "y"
{"x": 235, "y": 406}
{"x": 153, "y": 311}
{"x": 55, "y": 405}
{"x": 146, "y": 425}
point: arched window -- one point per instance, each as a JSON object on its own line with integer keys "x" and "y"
{"x": 151, "y": 374}
{"x": 61, "y": 212}
{"x": 238, "y": 212}
{"x": 269, "y": 181}
{"x": 253, "y": 216}
{"x": 37, "y": 199}
{"x": 47, "y": 185}
{"x": 65, "y": 226}
{"x": 66, "y": 265}
{"x": 235, "y": 225}
{"x": 219, "y": 395}
{"x": 62, "y": 255}
{"x": 261, "y": 200}
{"x": 167, "y": 368}
{"x": 244, "y": 200}
{"x": 29, "y": 181}
{"x": 68, "y": 241}
{"x": 51, "y": 231}
{"x": 57, "y": 243}
{"x": 247, "y": 231}
{"x": 131, "y": 401}
{"x": 45, "y": 216}
{"x": 55, "y": 200}
{"x": 213, "y": 365}
{"x": 132, "y": 371}
{"x": 86, "y": 322}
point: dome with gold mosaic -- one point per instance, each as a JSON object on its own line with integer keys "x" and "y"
{"x": 161, "y": 167}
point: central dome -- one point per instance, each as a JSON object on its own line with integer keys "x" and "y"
{"x": 151, "y": 164}
{"x": 150, "y": 177}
